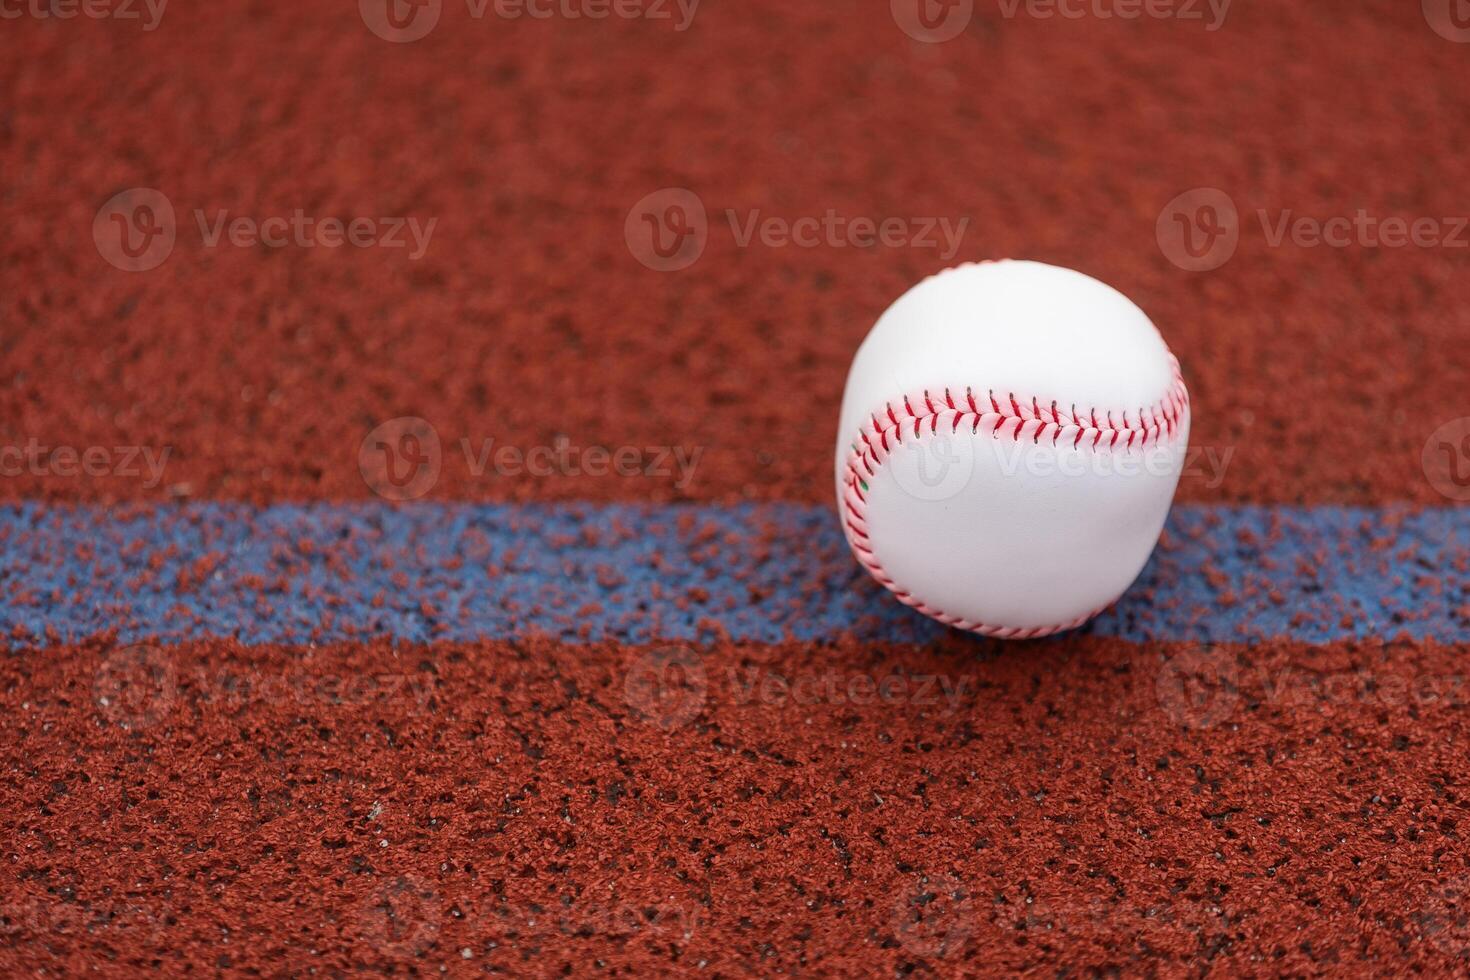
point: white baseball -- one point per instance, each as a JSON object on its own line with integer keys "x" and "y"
{"x": 1011, "y": 437}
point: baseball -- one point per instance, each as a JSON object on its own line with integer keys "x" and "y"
{"x": 1011, "y": 437}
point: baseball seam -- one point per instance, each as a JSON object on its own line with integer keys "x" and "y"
{"x": 875, "y": 443}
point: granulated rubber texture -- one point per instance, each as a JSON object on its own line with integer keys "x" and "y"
{"x": 525, "y": 809}
{"x": 1321, "y": 371}
{"x": 835, "y": 806}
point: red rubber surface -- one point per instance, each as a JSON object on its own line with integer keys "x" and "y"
{"x": 1324, "y": 369}
{"x": 1073, "y": 808}
{"x": 1070, "y": 816}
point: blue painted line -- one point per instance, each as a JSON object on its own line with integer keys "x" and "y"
{"x": 761, "y": 573}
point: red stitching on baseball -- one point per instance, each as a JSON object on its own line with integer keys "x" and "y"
{"x": 1157, "y": 423}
